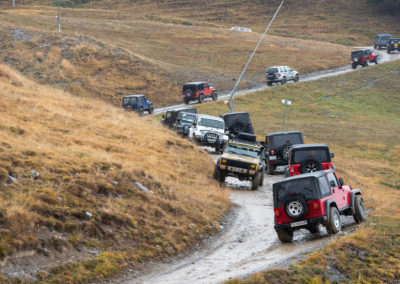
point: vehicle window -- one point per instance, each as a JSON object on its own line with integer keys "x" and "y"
{"x": 206, "y": 86}
{"x": 285, "y": 69}
{"x": 126, "y": 100}
{"x": 386, "y": 37}
{"x": 211, "y": 123}
{"x": 243, "y": 150}
{"x": 186, "y": 117}
{"x": 133, "y": 100}
{"x": 200, "y": 87}
{"x": 332, "y": 180}
{"x": 304, "y": 188}
{"x": 320, "y": 155}
{"x": 169, "y": 115}
{"x": 272, "y": 70}
{"x": 279, "y": 140}
{"x": 324, "y": 186}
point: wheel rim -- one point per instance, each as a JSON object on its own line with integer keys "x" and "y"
{"x": 311, "y": 167}
{"x": 295, "y": 208}
{"x": 336, "y": 220}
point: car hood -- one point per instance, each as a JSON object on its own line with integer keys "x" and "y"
{"x": 241, "y": 158}
{"x": 209, "y": 129}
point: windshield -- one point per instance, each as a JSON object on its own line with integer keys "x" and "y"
{"x": 211, "y": 123}
{"x": 294, "y": 138}
{"x": 243, "y": 150}
{"x": 306, "y": 189}
{"x": 272, "y": 70}
{"x": 321, "y": 155}
{"x": 186, "y": 117}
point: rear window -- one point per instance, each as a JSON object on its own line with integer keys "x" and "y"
{"x": 279, "y": 140}
{"x": 132, "y": 100}
{"x": 189, "y": 87}
{"x": 320, "y": 155}
{"x": 357, "y": 53}
{"x": 272, "y": 70}
{"x": 306, "y": 188}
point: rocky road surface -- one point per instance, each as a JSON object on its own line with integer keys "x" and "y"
{"x": 383, "y": 57}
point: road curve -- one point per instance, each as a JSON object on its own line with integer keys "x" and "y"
{"x": 383, "y": 57}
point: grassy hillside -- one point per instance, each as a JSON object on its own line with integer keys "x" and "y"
{"x": 84, "y": 209}
{"x": 108, "y": 53}
{"x": 357, "y": 114}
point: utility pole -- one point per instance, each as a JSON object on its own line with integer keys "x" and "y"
{"x": 59, "y": 16}
{"x": 231, "y": 106}
{"x": 286, "y": 102}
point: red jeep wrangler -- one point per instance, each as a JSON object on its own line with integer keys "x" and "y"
{"x": 305, "y": 201}
{"x": 198, "y": 91}
{"x": 363, "y": 57}
{"x": 308, "y": 158}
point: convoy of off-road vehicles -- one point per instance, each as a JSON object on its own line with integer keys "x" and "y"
{"x": 311, "y": 194}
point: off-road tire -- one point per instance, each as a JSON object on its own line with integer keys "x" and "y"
{"x": 141, "y": 111}
{"x": 151, "y": 109}
{"x": 214, "y": 96}
{"x": 296, "y": 208}
{"x": 376, "y": 60}
{"x": 314, "y": 228}
{"x": 201, "y": 98}
{"x": 283, "y": 82}
{"x": 366, "y": 63}
{"x": 269, "y": 83}
{"x": 285, "y": 236}
{"x": 262, "y": 177}
{"x": 284, "y": 150}
{"x": 310, "y": 166}
{"x": 359, "y": 212}
{"x": 333, "y": 224}
{"x": 186, "y": 101}
{"x": 218, "y": 175}
{"x": 270, "y": 169}
{"x": 255, "y": 182}
{"x": 296, "y": 78}
{"x": 375, "y": 46}
{"x": 388, "y": 51}
{"x": 354, "y": 66}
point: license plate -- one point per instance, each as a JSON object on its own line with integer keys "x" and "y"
{"x": 297, "y": 224}
{"x": 272, "y": 158}
{"x": 237, "y": 170}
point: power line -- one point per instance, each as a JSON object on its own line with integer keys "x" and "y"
{"x": 251, "y": 57}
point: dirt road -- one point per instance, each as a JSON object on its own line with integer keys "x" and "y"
{"x": 248, "y": 245}
{"x": 383, "y": 57}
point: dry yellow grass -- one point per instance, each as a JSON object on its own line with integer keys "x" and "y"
{"x": 89, "y": 154}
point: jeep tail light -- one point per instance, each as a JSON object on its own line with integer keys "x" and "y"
{"x": 279, "y": 74}
{"x": 222, "y": 161}
{"x": 272, "y": 152}
{"x": 277, "y": 213}
{"x": 315, "y": 205}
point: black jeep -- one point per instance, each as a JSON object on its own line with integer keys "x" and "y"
{"x": 169, "y": 119}
{"x": 137, "y": 103}
{"x": 277, "y": 147}
{"x": 393, "y": 45}
{"x": 237, "y": 122}
{"x": 183, "y": 122}
{"x": 308, "y": 158}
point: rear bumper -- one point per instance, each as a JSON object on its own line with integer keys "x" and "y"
{"x": 312, "y": 221}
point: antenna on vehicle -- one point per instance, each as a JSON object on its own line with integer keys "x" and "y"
{"x": 59, "y": 16}
{"x": 13, "y": 3}
{"x": 231, "y": 107}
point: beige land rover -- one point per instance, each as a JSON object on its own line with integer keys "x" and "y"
{"x": 243, "y": 158}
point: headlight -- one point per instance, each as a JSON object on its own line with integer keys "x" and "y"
{"x": 253, "y": 167}
{"x": 222, "y": 161}
{"x": 225, "y": 137}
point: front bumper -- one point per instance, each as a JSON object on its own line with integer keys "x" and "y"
{"x": 237, "y": 171}
{"x": 288, "y": 226}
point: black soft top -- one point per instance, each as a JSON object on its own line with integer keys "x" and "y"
{"x": 303, "y": 176}
{"x": 282, "y": 133}
{"x": 233, "y": 113}
{"x": 195, "y": 83}
{"x": 134, "y": 96}
{"x": 309, "y": 146}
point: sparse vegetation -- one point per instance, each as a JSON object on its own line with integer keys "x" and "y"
{"x": 89, "y": 155}
{"x": 361, "y": 123}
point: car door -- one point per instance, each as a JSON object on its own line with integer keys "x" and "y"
{"x": 338, "y": 193}
{"x": 291, "y": 73}
{"x": 206, "y": 90}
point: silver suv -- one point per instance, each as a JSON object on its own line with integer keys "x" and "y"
{"x": 209, "y": 130}
{"x": 282, "y": 74}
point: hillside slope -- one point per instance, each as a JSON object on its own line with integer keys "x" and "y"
{"x": 69, "y": 169}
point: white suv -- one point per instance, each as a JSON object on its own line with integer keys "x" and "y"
{"x": 282, "y": 74}
{"x": 209, "y": 131}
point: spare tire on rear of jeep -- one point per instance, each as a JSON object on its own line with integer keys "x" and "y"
{"x": 296, "y": 208}
{"x": 284, "y": 151}
{"x": 310, "y": 166}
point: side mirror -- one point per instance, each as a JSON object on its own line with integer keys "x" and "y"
{"x": 163, "y": 116}
{"x": 341, "y": 182}
{"x": 332, "y": 155}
